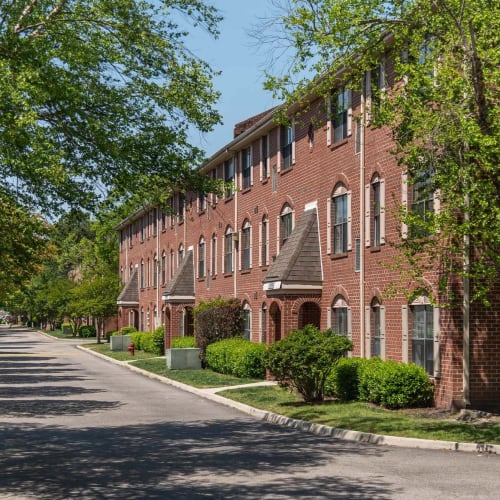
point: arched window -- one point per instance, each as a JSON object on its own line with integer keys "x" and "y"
{"x": 376, "y": 327}
{"x": 422, "y": 333}
{"x": 214, "y": 254}
{"x": 264, "y": 242}
{"x": 201, "y": 258}
{"x": 285, "y": 224}
{"x": 247, "y": 321}
{"x": 172, "y": 259}
{"x": 246, "y": 246}
{"x": 142, "y": 274}
{"x": 155, "y": 271}
{"x": 340, "y": 311}
{"x": 180, "y": 254}
{"x": 341, "y": 219}
{"x": 263, "y": 323}
{"x": 228, "y": 250}
{"x": 163, "y": 268}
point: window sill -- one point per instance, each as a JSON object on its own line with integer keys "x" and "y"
{"x": 338, "y": 256}
{"x": 376, "y": 249}
{"x": 246, "y": 190}
{"x": 336, "y": 145}
{"x": 284, "y": 171}
{"x": 264, "y": 181}
{"x": 246, "y": 271}
{"x": 201, "y": 212}
{"x": 201, "y": 280}
{"x": 228, "y": 199}
{"x": 228, "y": 275}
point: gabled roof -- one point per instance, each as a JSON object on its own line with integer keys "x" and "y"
{"x": 181, "y": 286}
{"x": 298, "y": 265}
{"x": 129, "y": 296}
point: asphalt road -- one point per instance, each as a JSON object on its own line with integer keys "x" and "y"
{"x": 73, "y": 426}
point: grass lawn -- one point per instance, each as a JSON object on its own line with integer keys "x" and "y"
{"x": 120, "y": 355}
{"x": 418, "y": 423}
{"x": 60, "y": 335}
{"x": 196, "y": 378}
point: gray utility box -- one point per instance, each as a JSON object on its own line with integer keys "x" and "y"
{"x": 119, "y": 342}
{"x": 183, "y": 359}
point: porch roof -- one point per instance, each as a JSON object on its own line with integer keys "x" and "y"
{"x": 129, "y": 296}
{"x": 181, "y": 287}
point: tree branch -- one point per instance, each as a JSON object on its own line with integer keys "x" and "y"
{"x": 25, "y": 13}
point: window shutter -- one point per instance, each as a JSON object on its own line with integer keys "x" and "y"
{"x": 250, "y": 247}
{"x": 404, "y": 201}
{"x": 349, "y": 112}
{"x": 278, "y": 235}
{"x": 349, "y": 326}
{"x": 328, "y": 317}
{"x": 368, "y": 96}
{"x": 293, "y": 143}
{"x": 329, "y": 225}
{"x": 240, "y": 249}
{"x": 382, "y": 332}
{"x": 404, "y": 323}
{"x": 349, "y": 221}
{"x": 251, "y": 165}
{"x": 329, "y": 126}
{"x": 368, "y": 344}
{"x": 437, "y": 334}
{"x": 260, "y": 243}
{"x": 382, "y": 211}
{"x": 262, "y": 160}
{"x": 367, "y": 215}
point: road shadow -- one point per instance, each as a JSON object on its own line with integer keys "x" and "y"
{"x": 180, "y": 460}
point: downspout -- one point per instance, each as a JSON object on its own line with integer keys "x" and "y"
{"x": 361, "y": 125}
{"x": 466, "y": 311}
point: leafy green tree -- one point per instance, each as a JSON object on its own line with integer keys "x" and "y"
{"x": 443, "y": 112}
{"x": 97, "y": 97}
{"x": 304, "y": 360}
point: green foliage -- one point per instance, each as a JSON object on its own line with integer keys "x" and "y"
{"x": 136, "y": 337}
{"x": 183, "y": 342}
{"x": 344, "y": 379}
{"x": 146, "y": 342}
{"x": 394, "y": 385}
{"x": 111, "y": 334}
{"x": 87, "y": 331}
{"x": 158, "y": 340}
{"x": 238, "y": 357}
{"x": 216, "y": 320}
{"x": 445, "y": 119}
{"x": 304, "y": 360}
{"x": 127, "y": 330}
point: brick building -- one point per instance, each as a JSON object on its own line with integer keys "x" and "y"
{"x": 304, "y": 237}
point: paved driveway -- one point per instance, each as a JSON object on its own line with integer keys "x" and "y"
{"x": 73, "y": 426}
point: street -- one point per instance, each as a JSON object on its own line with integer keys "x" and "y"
{"x": 74, "y": 426}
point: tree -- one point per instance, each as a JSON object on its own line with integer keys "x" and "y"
{"x": 443, "y": 111}
{"x": 97, "y": 97}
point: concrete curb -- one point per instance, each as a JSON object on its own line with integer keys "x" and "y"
{"x": 309, "y": 427}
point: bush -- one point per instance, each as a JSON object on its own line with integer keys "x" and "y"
{"x": 158, "y": 341}
{"x": 111, "y": 334}
{"x": 344, "y": 379}
{"x": 216, "y": 320}
{"x": 395, "y": 385}
{"x": 127, "y": 330}
{"x": 183, "y": 342}
{"x": 305, "y": 359}
{"x": 238, "y": 357}
{"x": 147, "y": 344}
{"x": 86, "y": 331}
{"x": 136, "y": 338}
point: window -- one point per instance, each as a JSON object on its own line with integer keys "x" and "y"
{"x": 214, "y": 255}
{"x": 163, "y": 268}
{"x": 202, "y": 202}
{"x": 228, "y": 251}
{"x": 422, "y": 336}
{"x": 263, "y": 324}
{"x": 130, "y": 234}
{"x": 247, "y": 321}
{"x": 246, "y": 167}
{"x": 180, "y": 254}
{"x": 181, "y": 206}
{"x": 201, "y": 258}
{"x": 287, "y": 139}
{"x": 341, "y": 217}
{"x": 264, "y": 157}
{"x": 142, "y": 319}
{"x": 121, "y": 276}
{"x": 246, "y": 245}
{"x": 286, "y": 224}
{"x": 155, "y": 272}
{"x": 340, "y": 316}
{"x": 376, "y": 328}
{"x": 172, "y": 264}
{"x": 229, "y": 176}
{"x": 264, "y": 242}
{"x": 154, "y": 217}
{"x": 163, "y": 220}
{"x": 142, "y": 274}
{"x": 274, "y": 178}
{"x": 422, "y": 204}
{"x": 375, "y": 212}
{"x": 148, "y": 273}
{"x": 341, "y": 114}
{"x": 141, "y": 222}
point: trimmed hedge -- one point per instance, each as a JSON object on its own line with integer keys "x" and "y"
{"x": 238, "y": 357}
{"x": 344, "y": 380}
{"x": 86, "y": 331}
{"x": 183, "y": 342}
{"x": 149, "y": 342}
{"x": 127, "y": 330}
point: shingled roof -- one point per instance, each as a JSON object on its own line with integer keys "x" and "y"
{"x": 181, "y": 287}
{"x": 298, "y": 265}
{"x": 129, "y": 296}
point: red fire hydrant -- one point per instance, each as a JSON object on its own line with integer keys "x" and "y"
{"x": 131, "y": 348}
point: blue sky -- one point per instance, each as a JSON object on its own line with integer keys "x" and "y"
{"x": 242, "y": 78}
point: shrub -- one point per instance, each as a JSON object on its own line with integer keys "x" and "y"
{"x": 305, "y": 359}
{"x": 238, "y": 357}
{"x": 136, "y": 338}
{"x": 183, "y": 342}
{"x": 216, "y": 320}
{"x": 344, "y": 379}
{"x": 158, "y": 341}
{"x": 147, "y": 344}
{"x": 395, "y": 385}
{"x": 86, "y": 331}
{"x": 111, "y": 334}
{"x": 127, "y": 330}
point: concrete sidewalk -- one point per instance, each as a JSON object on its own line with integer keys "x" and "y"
{"x": 313, "y": 428}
